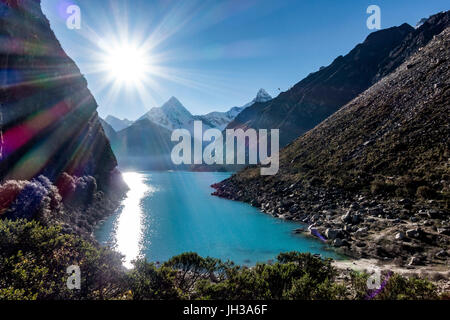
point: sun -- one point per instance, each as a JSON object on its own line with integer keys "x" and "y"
{"x": 127, "y": 64}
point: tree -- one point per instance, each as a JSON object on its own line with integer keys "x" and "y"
{"x": 146, "y": 282}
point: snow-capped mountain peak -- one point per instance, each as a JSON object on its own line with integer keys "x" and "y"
{"x": 171, "y": 115}
{"x": 262, "y": 96}
{"x": 173, "y": 104}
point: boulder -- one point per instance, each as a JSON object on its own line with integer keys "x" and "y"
{"x": 337, "y": 242}
{"x": 332, "y": 234}
{"x": 361, "y": 244}
{"x": 414, "y": 261}
{"x": 356, "y": 219}
{"x": 313, "y": 229}
{"x": 361, "y": 232}
{"x": 434, "y": 214}
{"x": 354, "y": 205}
{"x": 413, "y": 233}
{"x": 444, "y": 231}
{"x": 400, "y": 236}
{"x": 428, "y": 223}
{"x": 347, "y": 218}
{"x": 441, "y": 254}
{"x": 405, "y": 202}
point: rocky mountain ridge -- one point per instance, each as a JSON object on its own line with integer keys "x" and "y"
{"x": 373, "y": 179}
{"x": 322, "y": 93}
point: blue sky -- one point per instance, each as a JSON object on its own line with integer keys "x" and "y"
{"x": 213, "y": 55}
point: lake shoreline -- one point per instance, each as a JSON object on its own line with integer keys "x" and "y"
{"x": 358, "y": 226}
{"x": 174, "y": 220}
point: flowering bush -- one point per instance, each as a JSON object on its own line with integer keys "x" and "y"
{"x": 77, "y": 191}
{"x": 66, "y": 185}
{"x": 37, "y": 199}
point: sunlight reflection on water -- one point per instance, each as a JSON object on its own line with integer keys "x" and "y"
{"x": 168, "y": 213}
{"x": 128, "y": 232}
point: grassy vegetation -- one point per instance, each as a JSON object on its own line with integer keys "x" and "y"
{"x": 34, "y": 259}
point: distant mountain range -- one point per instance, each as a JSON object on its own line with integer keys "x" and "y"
{"x": 118, "y": 124}
{"x": 173, "y": 115}
{"x": 146, "y": 143}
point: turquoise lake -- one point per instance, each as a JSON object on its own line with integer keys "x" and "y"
{"x": 168, "y": 213}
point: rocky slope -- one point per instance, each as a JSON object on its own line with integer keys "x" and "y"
{"x": 374, "y": 178}
{"x": 49, "y": 119}
{"x": 420, "y": 37}
{"x": 322, "y": 93}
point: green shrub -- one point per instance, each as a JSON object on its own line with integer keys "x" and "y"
{"x": 318, "y": 268}
{"x": 146, "y": 282}
{"x": 34, "y": 261}
{"x": 192, "y": 268}
{"x": 401, "y": 288}
{"x": 240, "y": 284}
{"x": 307, "y": 288}
{"x": 294, "y": 276}
{"x": 358, "y": 282}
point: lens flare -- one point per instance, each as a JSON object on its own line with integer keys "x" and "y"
{"x": 127, "y": 64}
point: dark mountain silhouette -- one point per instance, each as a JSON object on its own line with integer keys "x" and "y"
{"x": 322, "y": 93}
{"x": 49, "y": 119}
{"x": 109, "y": 131}
{"x": 144, "y": 146}
{"x": 144, "y": 137}
{"x": 419, "y": 38}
